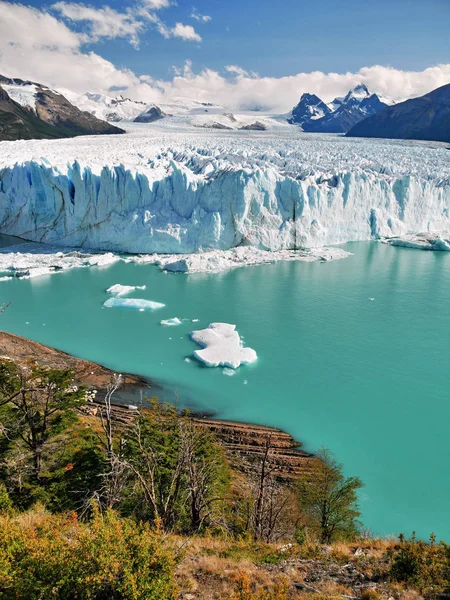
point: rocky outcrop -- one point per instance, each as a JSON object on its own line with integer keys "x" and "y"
{"x": 256, "y": 126}
{"x": 154, "y": 113}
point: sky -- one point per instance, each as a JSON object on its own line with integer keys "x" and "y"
{"x": 240, "y": 53}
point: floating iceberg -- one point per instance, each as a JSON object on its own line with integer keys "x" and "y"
{"x": 422, "y": 241}
{"x": 123, "y": 290}
{"x": 171, "y": 322}
{"x": 222, "y": 346}
{"x": 164, "y": 192}
{"x": 136, "y": 303}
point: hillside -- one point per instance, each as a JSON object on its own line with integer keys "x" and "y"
{"x": 29, "y": 110}
{"x": 424, "y": 118}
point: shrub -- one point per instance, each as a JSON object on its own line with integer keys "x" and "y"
{"x": 44, "y": 556}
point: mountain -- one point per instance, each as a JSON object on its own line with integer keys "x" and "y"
{"x": 424, "y": 118}
{"x": 151, "y": 114}
{"x": 29, "y": 110}
{"x": 339, "y": 116}
{"x": 112, "y": 109}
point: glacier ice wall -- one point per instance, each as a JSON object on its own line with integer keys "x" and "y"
{"x": 211, "y": 196}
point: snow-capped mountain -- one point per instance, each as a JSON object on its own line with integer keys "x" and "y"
{"x": 178, "y": 113}
{"x": 112, "y": 109}
{"x": 30, "y": 110}
{"x": 340, "y": 115}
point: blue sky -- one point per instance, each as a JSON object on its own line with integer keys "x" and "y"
{"x": 286, "y": 37}
{"x": 150, "y": 48}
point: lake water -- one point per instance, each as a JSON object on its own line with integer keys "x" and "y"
{"x": 367, "y": 379}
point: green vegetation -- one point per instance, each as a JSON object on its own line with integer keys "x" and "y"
{"x": 94, "y": 507}
{"x": 329, "y": 501}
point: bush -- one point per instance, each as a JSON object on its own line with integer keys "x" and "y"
{"x": 44, "y": 556}
{"x": 424, "y": 566}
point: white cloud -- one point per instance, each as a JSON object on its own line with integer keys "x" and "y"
{"x": 102, "y": 22}
{"x": 108, "y": 23}
{"x": 198, "y": 17}
{"x": 36, "y": 45}
{"x": 185, "y": 32}
{"x": 246, "y": 90}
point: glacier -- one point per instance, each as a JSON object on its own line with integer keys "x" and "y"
{"x": 157, "y": 190}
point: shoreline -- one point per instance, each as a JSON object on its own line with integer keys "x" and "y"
{"x": 244, "y": 443}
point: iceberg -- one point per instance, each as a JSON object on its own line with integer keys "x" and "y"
{"x": 136, "y": 303}
{"x": 123, "y": 290}
{"x": 171, "y": 322}
{"x": 222, "y": 346}
{"x": 423, "y": 241}
{"x": 168, "y": 192}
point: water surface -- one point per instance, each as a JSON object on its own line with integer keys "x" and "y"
{"x": 365, "y": 378}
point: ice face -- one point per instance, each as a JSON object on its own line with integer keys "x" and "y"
{"x": 123, "y": 290}
{"x": 222, "y": 346}
{"x": 136, "y": 303}
{"x": 184, "y": 192}
{"x": 171, "y": 322}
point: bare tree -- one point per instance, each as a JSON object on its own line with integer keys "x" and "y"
{"x": 202, "y": 474}
{"x": 268, "y": 500}
{"x": 116, "y": 476}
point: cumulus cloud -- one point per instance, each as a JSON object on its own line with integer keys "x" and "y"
{"x": 247, "y": 90}
{"x": 108, "y": 23}
{"x": 198, "y": 17}
{"x": 102, "y": 22}
{"x": 36, "y": 45}
{"x": 185, "y": 32}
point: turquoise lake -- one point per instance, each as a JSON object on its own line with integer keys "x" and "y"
{"x": 367, "y": 379}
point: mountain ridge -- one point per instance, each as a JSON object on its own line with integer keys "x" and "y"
{"x": 338, "y": 116}
{"x": 424, "y": 118}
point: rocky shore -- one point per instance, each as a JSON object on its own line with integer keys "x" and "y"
{"x": 244, "y": 443}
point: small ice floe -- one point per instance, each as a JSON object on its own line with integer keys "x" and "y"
{"x": 171, "y": 322}
{"x": 222, "y": 346}
{"x": 229, "y": 372}
{"x": 123, "y": 290}
{"x": 136, "y": 303}
{"x": 245, "y": 382}
{"x": 371, "y": 298}
{"x": 195, "y": 320}
{"x": 187, "y": 359}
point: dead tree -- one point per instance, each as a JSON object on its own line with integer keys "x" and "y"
{"x": 115, "y": 477}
